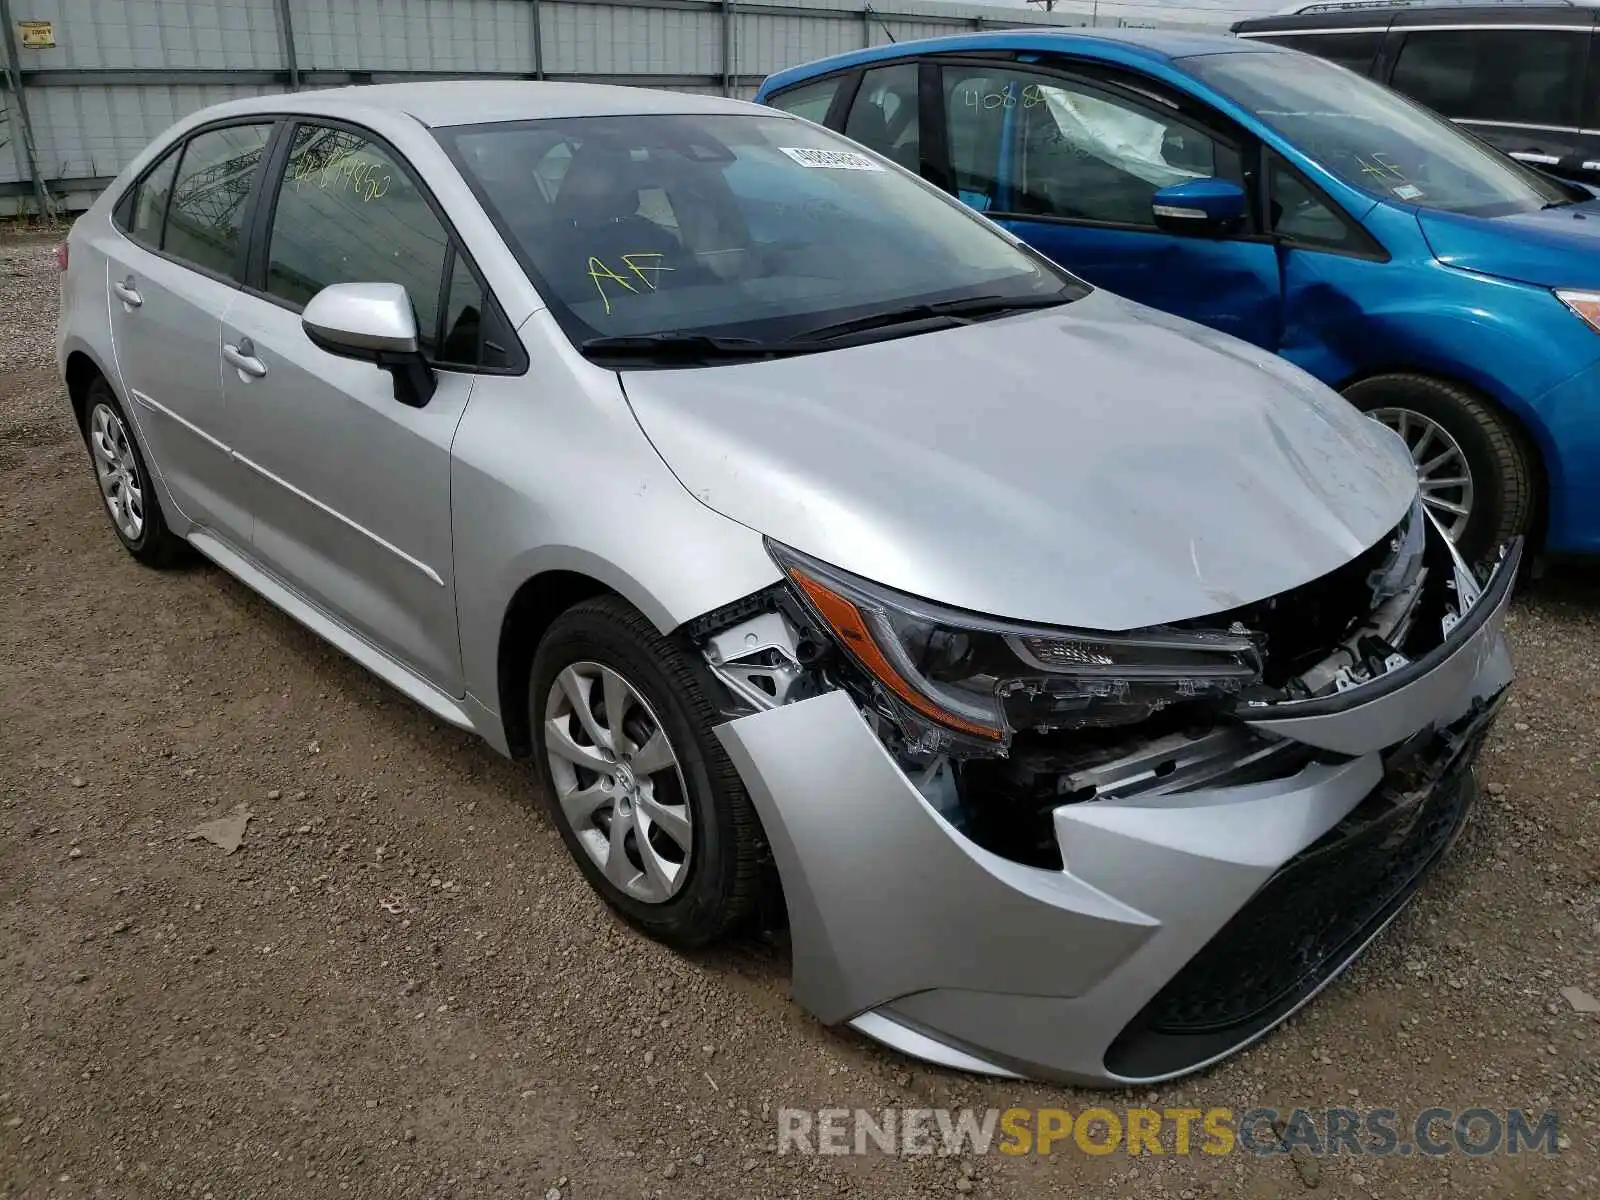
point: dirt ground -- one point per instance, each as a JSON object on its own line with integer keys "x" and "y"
{"x": 401, "y": 986}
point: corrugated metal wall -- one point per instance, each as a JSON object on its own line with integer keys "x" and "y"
{"x": 121, "y": 72}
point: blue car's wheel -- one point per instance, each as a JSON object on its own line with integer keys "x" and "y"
{"x": 1472, "y": 465}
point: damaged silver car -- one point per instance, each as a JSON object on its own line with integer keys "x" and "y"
{"x": 1082, "y": 687}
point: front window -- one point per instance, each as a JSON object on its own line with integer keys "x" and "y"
{"x": 348, "y": 213}
{"x": 1375, "y": 139}
{"x": 1078, "y": 152}
{"x": 730, "y": 226}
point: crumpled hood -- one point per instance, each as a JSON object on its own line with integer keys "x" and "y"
{"x": 1555, "y": 247}
{"x": 1099, "y": 465}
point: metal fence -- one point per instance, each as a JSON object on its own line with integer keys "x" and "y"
{"x": 88, "y": 83}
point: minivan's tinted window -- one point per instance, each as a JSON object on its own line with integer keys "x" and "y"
{"x": 730, "y": 225}
{"x": 1374, "y": 138}
{"x": 150, "y": 202}
{"x": 348, "y": 213}
{"x": 1353, "y": 50}
{"x": 208, "y": 197}
{"x": 1531, "y": 76}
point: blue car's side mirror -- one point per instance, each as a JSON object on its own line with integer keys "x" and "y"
{"x": 1203, "y": 206}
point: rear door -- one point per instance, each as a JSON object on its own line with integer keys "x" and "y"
{"x": 1071, "y": 164}
{"x": 170, "y": 279}
{"x": 1519, "y": 87}
{"x": 350, "y": 487}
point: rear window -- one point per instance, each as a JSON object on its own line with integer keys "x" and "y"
{"x": 1355, "y": 51}
{"x": 728, "y": 225}
{"x": 147, "y": 209}
{"x": 809, "y": 100}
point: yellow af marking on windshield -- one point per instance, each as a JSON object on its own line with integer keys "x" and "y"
{"x": 645, "y": 272}
{"x": 639, "y": 269}
{"x": 598, "y": 271}
{"x": 1379, "y": 166}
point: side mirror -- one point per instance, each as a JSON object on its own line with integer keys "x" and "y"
{"x": 372, "y": 322}
{"x": 1203, "y": 206}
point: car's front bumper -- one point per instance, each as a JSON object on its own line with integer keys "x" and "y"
{"x": 1182, "y": 927}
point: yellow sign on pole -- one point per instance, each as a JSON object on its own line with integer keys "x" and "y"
{"x": 37, "y": 35}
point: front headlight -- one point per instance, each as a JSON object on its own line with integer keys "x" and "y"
{"x": 1584, "y": 304}
{"x": 951, "y": 675}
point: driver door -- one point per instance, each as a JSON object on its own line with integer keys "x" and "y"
{"x": 1071, "y": 167}
{"x": 351, "y": 488}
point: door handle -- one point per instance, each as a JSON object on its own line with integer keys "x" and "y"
{"x": 243, "y": 358}
{"x": 127, "y": 293}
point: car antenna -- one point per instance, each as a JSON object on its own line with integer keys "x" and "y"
{"x": 873, "y": 13}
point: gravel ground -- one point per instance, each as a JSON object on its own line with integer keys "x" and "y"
{"x": 400, "y": 986}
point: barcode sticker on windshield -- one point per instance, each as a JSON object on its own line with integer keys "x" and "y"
{"x": 1407, "y": 191}
{"x": 839, "y": 160}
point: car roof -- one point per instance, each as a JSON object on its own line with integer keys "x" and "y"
{"x": 478, "y": 101}
{"x": 1155, "y": 45}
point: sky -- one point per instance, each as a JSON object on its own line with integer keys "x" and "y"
{"x": 1220, "y": 13}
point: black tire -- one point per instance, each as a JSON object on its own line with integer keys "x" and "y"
{"x": 1503, "y": 477}
{"x": 722, "y": 888}
{"x": 156, "y": 546}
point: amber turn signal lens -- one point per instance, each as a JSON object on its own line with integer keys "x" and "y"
{"x": 850, "y": 627}
{"x": 1585, "y": 304}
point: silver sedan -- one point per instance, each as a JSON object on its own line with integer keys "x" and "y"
{"x": 1081, "y": 687}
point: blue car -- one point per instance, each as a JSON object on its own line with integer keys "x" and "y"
{"x": 1442, "y": 287}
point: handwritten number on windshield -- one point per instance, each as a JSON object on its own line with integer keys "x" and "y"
{"x": 638, "y": 262}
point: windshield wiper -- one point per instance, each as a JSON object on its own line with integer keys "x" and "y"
{"x": 687, "y": 347}
{"x": 958, "y": 312}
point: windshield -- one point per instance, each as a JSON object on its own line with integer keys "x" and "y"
{"x": 1374, "y": 138}
{"x": 730, "y": 226}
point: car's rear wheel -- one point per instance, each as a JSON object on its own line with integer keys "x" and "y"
{"x": 645, "y": 797}
{"x": 124, "y": 481}
{"x": 1472, "y": 465}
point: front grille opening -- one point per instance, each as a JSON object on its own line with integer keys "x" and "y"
{"x": 1007, "y": 805}
{"x": 1299, "y": 627}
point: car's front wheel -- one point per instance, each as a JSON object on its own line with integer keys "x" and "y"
{"x": 645, "y": 797}
{"x": 1472, "y": 465}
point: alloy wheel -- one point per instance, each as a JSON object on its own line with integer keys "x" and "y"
{"x": 1442, "y": 471}
{"x": 118, "y": 470}
{"x": 618, "y": 781}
